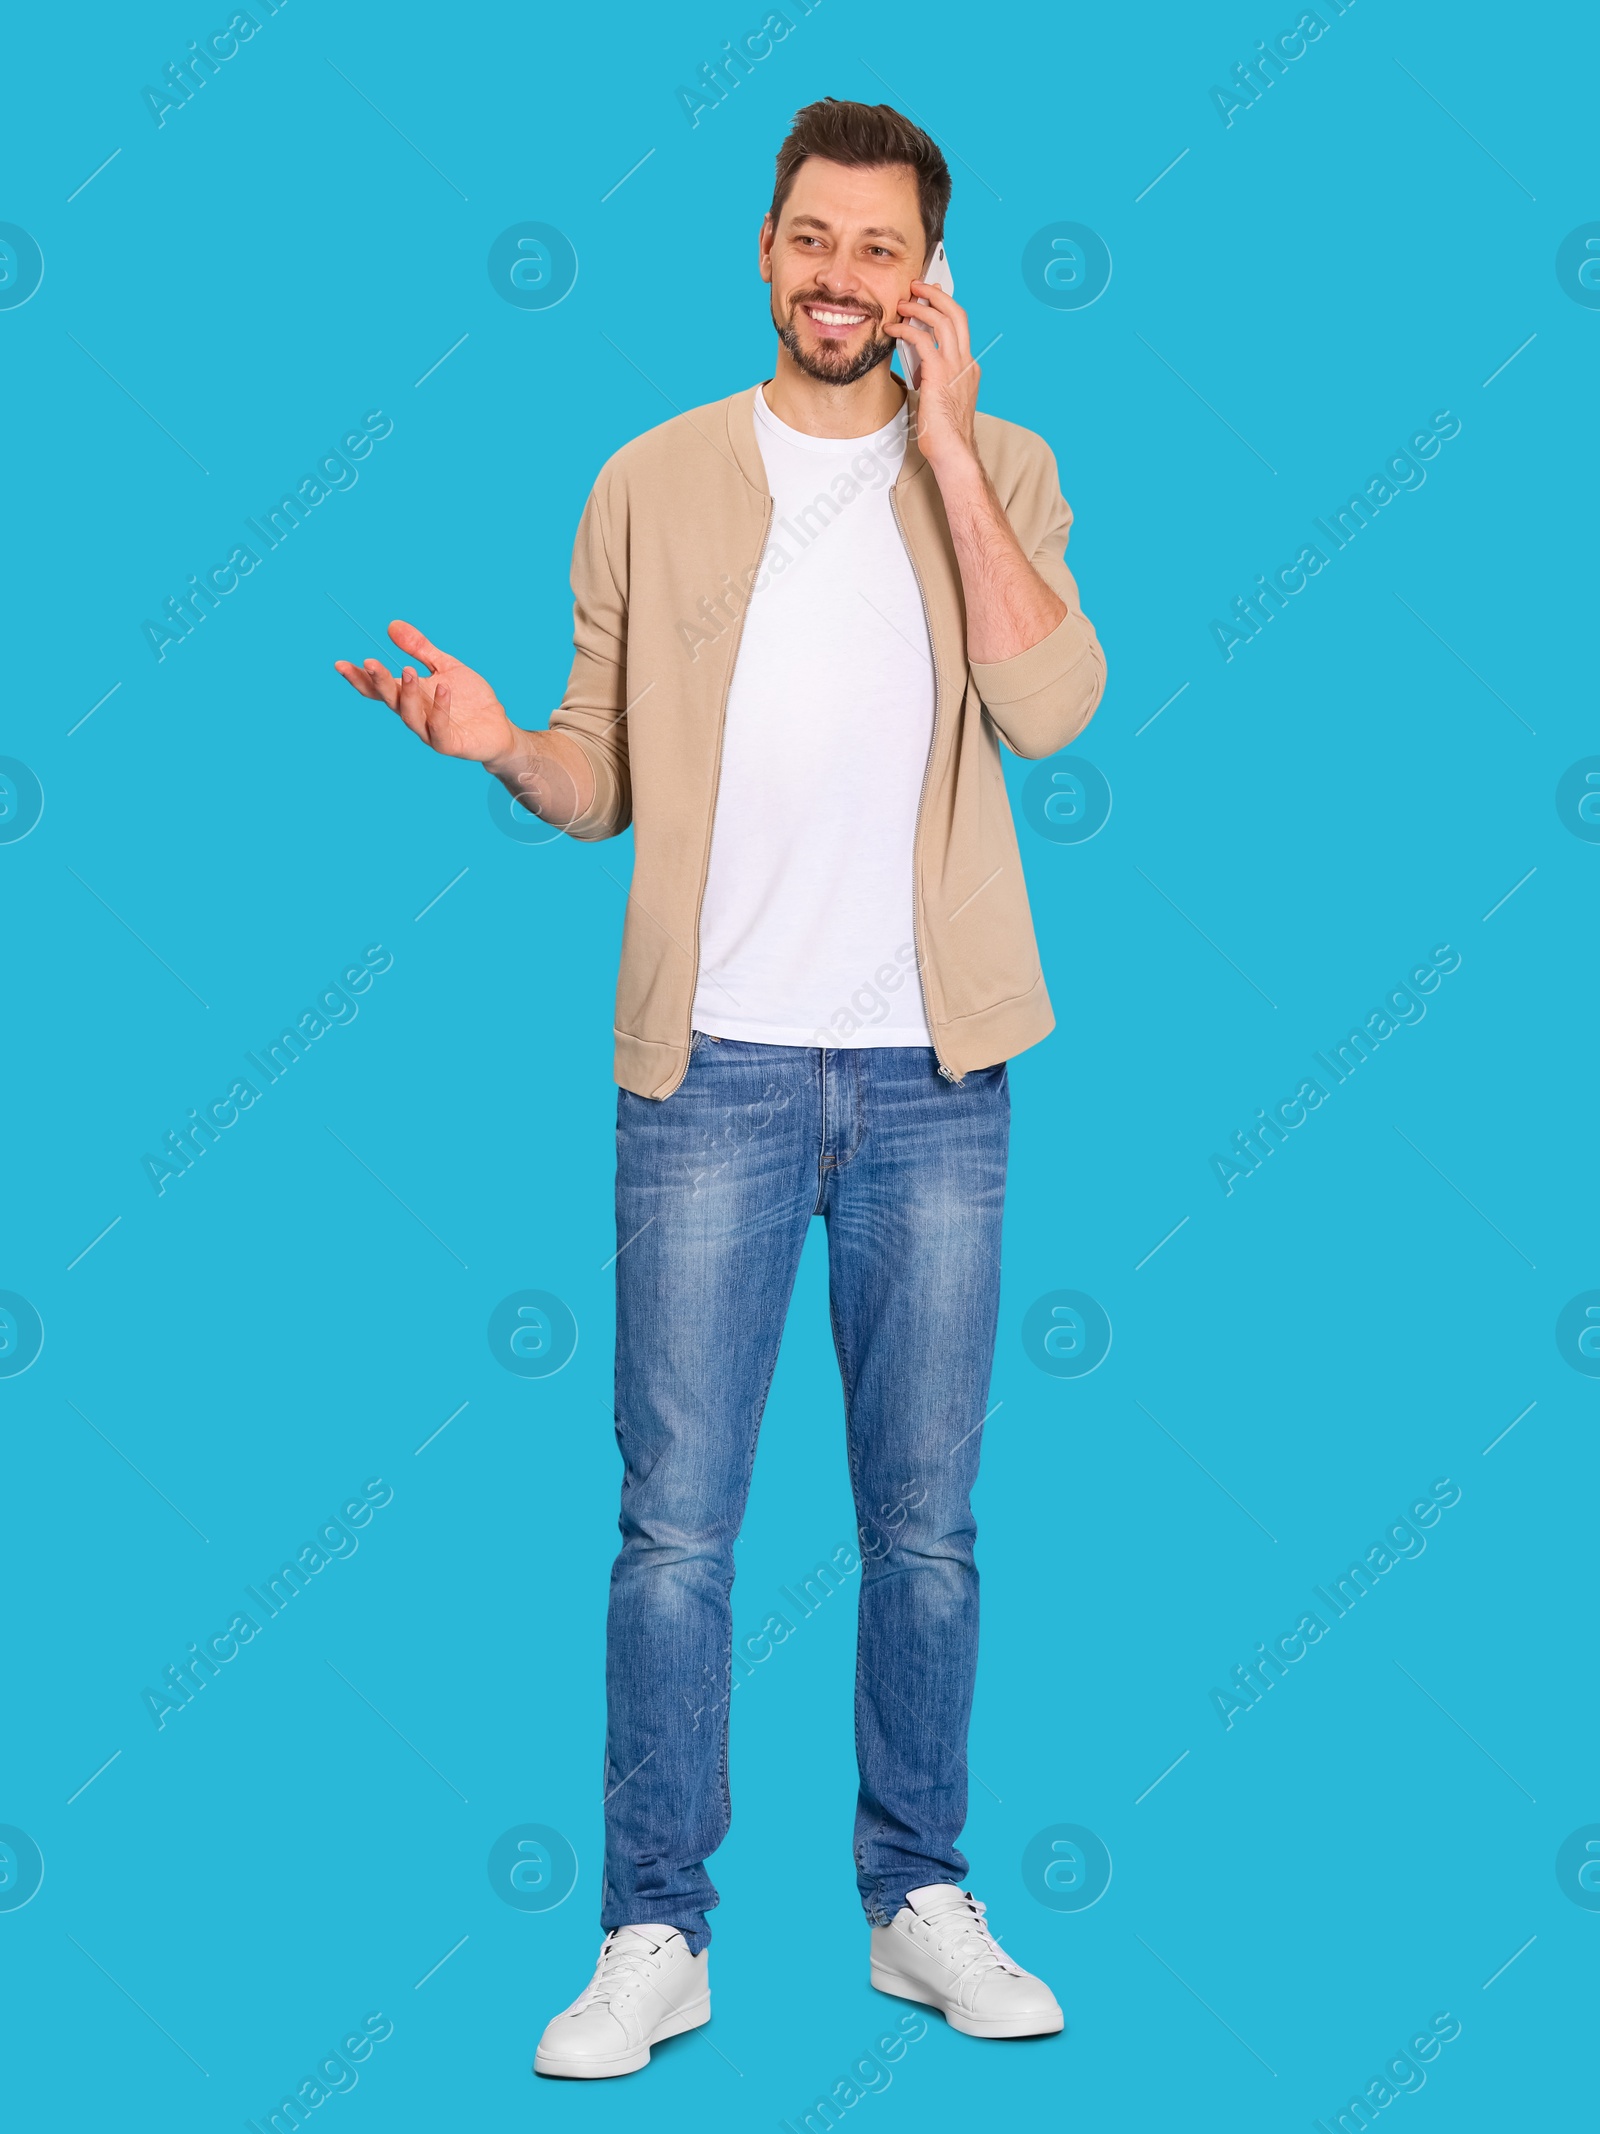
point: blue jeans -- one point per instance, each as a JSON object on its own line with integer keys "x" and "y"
{"x": 716, "y": 1186}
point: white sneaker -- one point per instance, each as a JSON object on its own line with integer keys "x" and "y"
{"x": 938, "y": 1951}
{"x": 646, "y": 1987}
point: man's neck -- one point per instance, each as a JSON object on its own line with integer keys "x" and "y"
{"x": 821, "y": 410}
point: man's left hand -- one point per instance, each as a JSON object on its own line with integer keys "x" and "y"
{"x": 937, "y": 329}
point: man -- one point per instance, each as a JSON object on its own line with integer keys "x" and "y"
{"x": 805, "y": 619}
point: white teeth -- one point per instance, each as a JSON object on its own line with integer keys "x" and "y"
{"x": 835, "y": 318}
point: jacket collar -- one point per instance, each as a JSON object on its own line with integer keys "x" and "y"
{"x": 747, "y": 450}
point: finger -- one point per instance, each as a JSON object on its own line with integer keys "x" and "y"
{"x": 354, "y": 676}
{"x": 437, "y": 730}
{"x": 411, "y": 639}
{"x": 938, "y": 299}
{"x": 922, "y": 335}
{"x": 953, "y": 329}
{"x": 382, "y": 682}
{"x": 910, "y": 328}
{"x": 413, "y": 706}
{"x": 941, "y": 301}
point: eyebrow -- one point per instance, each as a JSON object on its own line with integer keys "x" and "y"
{"x": 815, "y": 222}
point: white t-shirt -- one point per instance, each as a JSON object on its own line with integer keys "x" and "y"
{"x": 806, "y": 929}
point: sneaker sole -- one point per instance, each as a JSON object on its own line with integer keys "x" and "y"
{"x": 994, "y": 2026}
{"x": 629, "y": 2063}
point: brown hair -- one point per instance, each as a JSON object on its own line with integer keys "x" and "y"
{"x": 866, "y": 136}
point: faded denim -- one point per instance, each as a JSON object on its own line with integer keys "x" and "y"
{"x": 716, "y": 1186}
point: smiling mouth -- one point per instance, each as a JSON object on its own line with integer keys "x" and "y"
{"x": 834, "y": 318}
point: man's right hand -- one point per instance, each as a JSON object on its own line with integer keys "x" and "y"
{"x": 458, "y": 714}
{"x": 454, "y": 710}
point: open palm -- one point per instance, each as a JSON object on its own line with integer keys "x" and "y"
{"x": 451, "y": 708}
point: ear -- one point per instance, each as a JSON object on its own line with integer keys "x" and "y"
{"x": 764, "y": 247}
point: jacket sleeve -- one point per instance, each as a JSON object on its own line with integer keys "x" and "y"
{"x": 1043, "y": 698}
{"x": 593, "y": 712}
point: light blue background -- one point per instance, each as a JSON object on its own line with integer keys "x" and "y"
{"x": 1299, "y": 828}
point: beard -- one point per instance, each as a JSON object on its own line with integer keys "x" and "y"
{"x": 830, "y": 361}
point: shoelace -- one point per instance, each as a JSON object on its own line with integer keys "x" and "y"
{"x": 962, "y": 1936}
{"x": 623, "y": 1968}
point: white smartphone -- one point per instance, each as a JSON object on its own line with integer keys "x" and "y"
{"x": 938, "y": 272}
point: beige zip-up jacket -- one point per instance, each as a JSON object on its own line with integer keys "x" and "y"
{"x": 669, "y": 549}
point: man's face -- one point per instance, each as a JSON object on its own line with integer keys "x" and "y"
{"x": 845, "y": 250}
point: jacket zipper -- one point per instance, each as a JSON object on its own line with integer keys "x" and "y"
{"x": 927, "y": 768}
{"x": 716, "y": 782}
